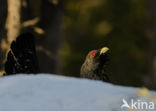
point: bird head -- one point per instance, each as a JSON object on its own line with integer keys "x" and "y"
{"x": 99, "y": 56}
{"x": 95, "y": 60}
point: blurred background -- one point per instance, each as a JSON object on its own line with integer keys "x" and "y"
{"x": 65, "y": 31}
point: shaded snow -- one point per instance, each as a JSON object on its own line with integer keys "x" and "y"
{"x": 45, "y": 92}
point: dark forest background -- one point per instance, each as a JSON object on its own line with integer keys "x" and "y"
{"x": 65, "y": 31}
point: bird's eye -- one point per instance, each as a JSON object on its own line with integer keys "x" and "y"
{"x": 92, "y": 54}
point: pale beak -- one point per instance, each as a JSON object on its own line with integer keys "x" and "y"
{"x": 104, "y": 50}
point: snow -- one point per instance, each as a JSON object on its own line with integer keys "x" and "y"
{"x": 45, "y": 92}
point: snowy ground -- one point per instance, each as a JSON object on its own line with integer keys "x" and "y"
{"x": 57, "y": 93}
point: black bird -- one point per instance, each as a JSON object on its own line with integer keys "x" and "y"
{"x": 22, "y": 59}
{"x": 22, "y": 56}
{"x": 94, "y": 65}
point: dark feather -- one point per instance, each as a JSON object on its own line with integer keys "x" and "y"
{"x": 22, "y": 56}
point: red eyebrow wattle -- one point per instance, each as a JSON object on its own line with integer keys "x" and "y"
{"x": 92, "y": 54}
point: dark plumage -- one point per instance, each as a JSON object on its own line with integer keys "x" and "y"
{"x": 22, "y": 59}
{"x": 22, "y": 56}
{"x": 94, "y": 65}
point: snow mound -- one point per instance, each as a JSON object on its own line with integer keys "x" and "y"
{"x": 45, "y": 92}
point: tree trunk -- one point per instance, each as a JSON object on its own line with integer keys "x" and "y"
{"x": 12, "y": 25}
{"x": 3, "y": 46}
{"x": 13, "y": 20}
{"x": 48, "y": 45}
{"x": 151, "y": 34}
